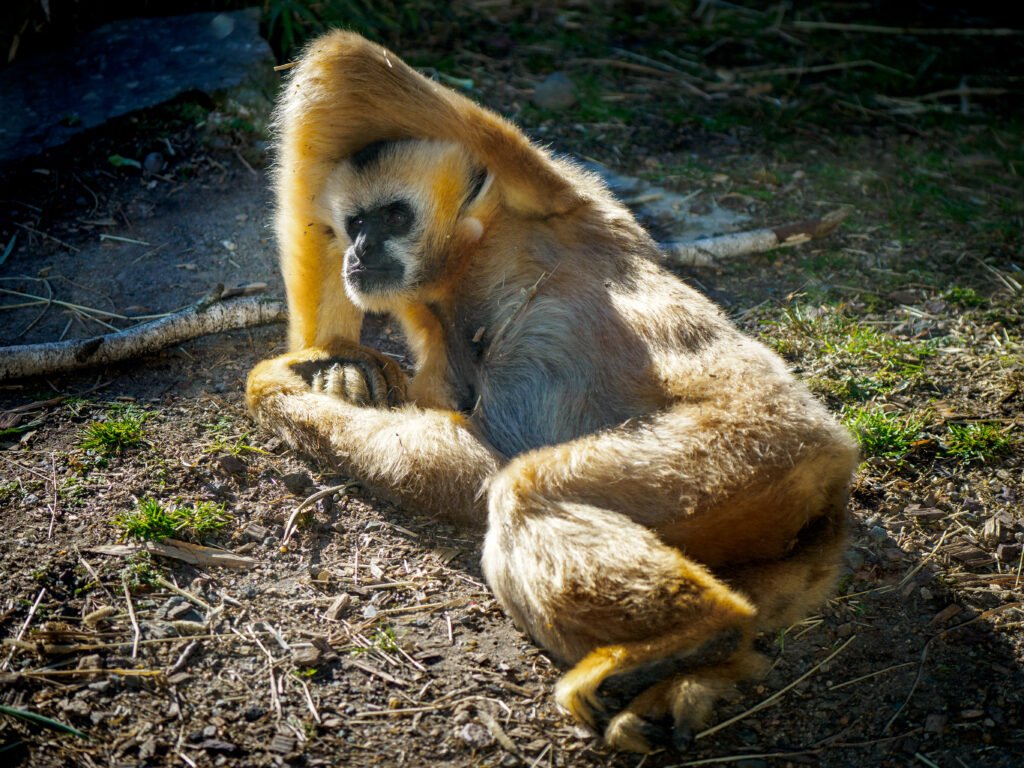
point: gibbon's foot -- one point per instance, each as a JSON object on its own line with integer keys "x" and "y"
{"x": 658, "y": 703}
{"x": 357, "y": 374}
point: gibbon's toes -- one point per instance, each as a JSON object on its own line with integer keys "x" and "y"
{"x": 648, "y": 722}
{"x": 633, "y": 702}
{"x": 344, "y": 381}
{"x": 360, "y": 381}
{"x": 617, "y": 690}
{"x": 628, "y": 732}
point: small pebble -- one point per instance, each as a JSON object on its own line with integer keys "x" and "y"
{"x": 475, "y": 736}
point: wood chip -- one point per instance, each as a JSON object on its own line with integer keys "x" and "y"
{"x": 282, "y": 743}
{"x": 924, "y": 514}
{"x": 946, "y": 614}
{"x": 338, "y": 607}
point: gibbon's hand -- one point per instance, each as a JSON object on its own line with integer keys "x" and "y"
{"x": 356, "y": 374}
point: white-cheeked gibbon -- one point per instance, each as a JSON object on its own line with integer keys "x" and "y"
{"x": 656, "y": 487}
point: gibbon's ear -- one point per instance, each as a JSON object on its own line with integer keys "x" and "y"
{"x": 347, "y": 92}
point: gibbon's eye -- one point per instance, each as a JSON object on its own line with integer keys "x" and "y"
{"x": 398, "y": 218}
{"x": 352, "y": 226}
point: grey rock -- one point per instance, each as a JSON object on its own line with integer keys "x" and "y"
{"x": 126, "y": 66}
{"x": 555, "y": 92}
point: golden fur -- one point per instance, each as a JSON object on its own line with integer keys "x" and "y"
{"x": 656, "y": 487}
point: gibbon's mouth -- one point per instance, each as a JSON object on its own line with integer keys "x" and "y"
{"x": 373, "y": 278}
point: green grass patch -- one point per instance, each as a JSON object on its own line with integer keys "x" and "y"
{"x": 121, "y": 429}
{"x": 141, "y": 570}
{"x": 847, "y": 360}
{"x": 882, "y": 434}
{"x": 965, "y": 297}
{"x": 226, "y": 439}
{"x": 976, "y": 442}
{"x": 153, "y": 521}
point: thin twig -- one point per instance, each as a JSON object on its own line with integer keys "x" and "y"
{"x": 274, "y": 699}
{"x": 870, "y": 675}
{"x": 183, "y": 593}
{"x": 183, "y": 658}
{"x": 119, "y": 239}
{"x": 761, "y": 705}
{"x": 90, "y": 671}
{"x": 290, "y": 526}
{"x": 927, "y": 646}
{"x": 24, "y": 626}
{"x": 54, "y": 508}
{"x": 57, "y": 240}
{"x": 748, "y": 756}
{"x": 309, "y": 699}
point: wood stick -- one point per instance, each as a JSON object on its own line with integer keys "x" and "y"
{"x": 210, "y": 315}
{"x": 873, "y": 29}
{"x": 708, "y": 251}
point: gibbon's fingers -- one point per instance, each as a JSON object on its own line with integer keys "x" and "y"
{"x": 343, "y": 380}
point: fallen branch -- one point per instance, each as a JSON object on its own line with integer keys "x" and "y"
{"x": 212, "y": 314}
{"x": 708, "y": 251}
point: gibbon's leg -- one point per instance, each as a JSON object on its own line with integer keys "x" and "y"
{"x": 577, "y": 552}
{"x": 654, "y": 638}
{"x": 430, "y": 460}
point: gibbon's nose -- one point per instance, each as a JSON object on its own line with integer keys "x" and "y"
{"x": 367, "y": 247}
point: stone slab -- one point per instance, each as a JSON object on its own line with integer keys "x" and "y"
{"x": 123, "y": 67}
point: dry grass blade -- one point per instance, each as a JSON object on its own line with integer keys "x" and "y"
{"x": 291, "y": 525}
{"x": 136, "y": 632}
{"x": 25, "y": 625}
{"x": 875, "y": 29}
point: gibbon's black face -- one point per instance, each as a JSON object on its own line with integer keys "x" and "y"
{"x": 371, "y": 262}
{"x": 403, "y": 205}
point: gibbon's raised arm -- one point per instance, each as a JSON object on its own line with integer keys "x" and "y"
{"x": 348, "y": 92}
{"x": 345, "y": 94}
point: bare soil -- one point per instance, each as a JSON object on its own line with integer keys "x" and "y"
{"x": 370, "y": 637}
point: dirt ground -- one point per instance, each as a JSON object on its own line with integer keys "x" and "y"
{"x": 369, "y": 637}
